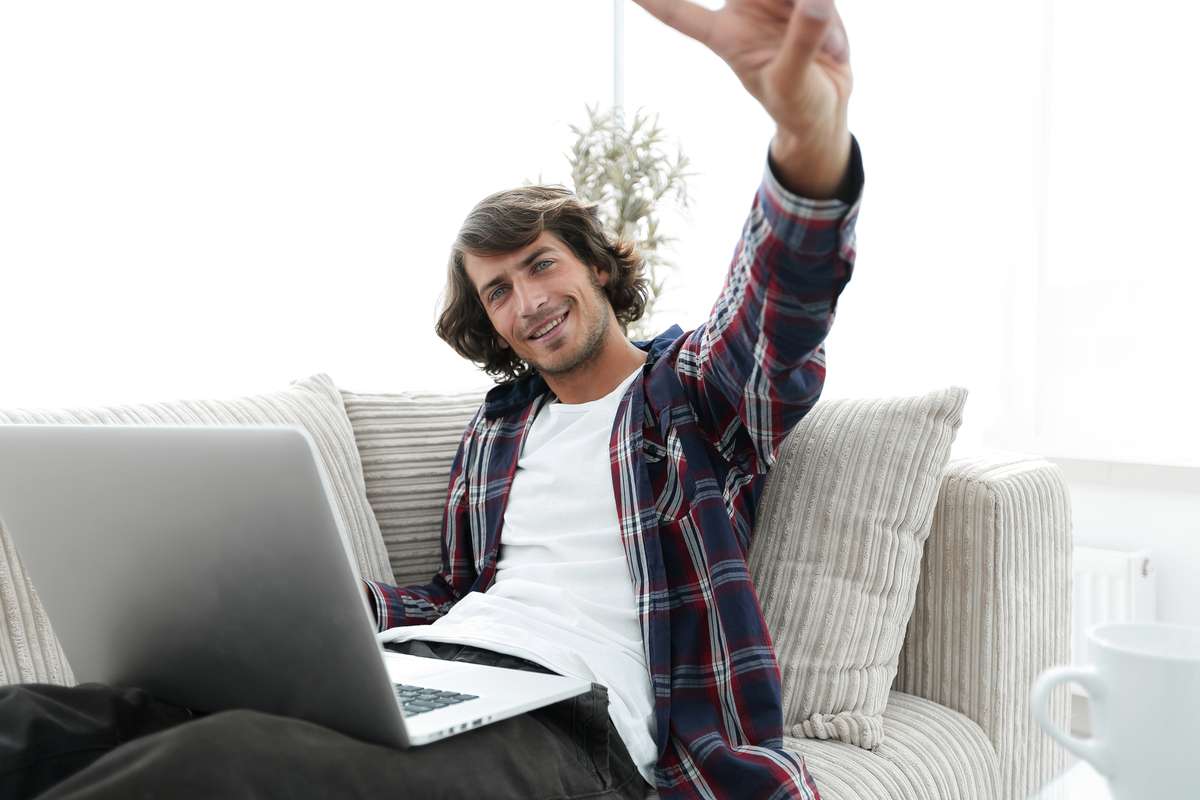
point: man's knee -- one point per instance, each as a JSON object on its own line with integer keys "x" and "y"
{"x": 219, "y": 755}
{"x": 203, "y": 752}
{"x": 223, "y": 735}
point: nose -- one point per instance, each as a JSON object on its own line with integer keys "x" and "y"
{"x": 531, "y": 299}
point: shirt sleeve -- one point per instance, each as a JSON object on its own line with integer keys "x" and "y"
{"x": 757, "y": 365}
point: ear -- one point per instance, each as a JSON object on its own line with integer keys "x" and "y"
{"x": 602, "y": 275}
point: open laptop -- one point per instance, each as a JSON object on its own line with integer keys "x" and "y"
{"x": 205, "y": 564}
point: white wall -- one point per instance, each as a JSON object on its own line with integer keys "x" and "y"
{"x": 947, "y": 233}
{"x": 218, "y": 199}
{"x": 1120, "y": 277}
{"x": 1133, "y": 506}
{"x": 221, "y": 200}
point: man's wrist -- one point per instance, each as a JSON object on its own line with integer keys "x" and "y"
{"x": 815, "y": 171}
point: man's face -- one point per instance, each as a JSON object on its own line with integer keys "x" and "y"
{"x": 524, "y": 290}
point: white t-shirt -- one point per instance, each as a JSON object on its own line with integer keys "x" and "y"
{"x": 563, "y": 597}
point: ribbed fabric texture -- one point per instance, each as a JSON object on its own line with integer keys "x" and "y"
{"x": 993, "y": 607}
{"x": 29, "y": 652}
{"x": 837, "y": 550}
{"x": 406, "y": 443}
{"x": 929, "y": 752}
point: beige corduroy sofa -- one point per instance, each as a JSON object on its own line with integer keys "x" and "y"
{"x": 990, "y": 612}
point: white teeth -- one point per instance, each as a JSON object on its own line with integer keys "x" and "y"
{"x": 549, "y": 327}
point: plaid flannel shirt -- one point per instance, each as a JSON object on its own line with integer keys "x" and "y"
{"x": 693, "y": 439}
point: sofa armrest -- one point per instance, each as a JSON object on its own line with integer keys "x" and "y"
{"x": 993, "y": 607}
{"x": 29, "y": 650}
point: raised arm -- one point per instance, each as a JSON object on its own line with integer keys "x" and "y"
{"x": 757, "y": 366}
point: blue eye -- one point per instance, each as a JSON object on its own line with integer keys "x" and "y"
{"x": 494, "y": 293}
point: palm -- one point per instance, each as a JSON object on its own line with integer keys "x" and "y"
{"x": 749, "y": 36}
{"x": 804, "y": 87}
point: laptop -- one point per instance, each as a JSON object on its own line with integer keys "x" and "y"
{"x": 206, "y": 565}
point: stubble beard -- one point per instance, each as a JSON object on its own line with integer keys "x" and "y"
{"x": 589, "y": 350}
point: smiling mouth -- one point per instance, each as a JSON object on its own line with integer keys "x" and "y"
{"x": 562, "y": 319}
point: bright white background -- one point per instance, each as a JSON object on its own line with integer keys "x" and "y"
{"x": 203, "y": 200}
{"x": 217, "y": 199}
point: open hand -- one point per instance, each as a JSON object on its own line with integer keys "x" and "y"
{"x": 795, "y": 64}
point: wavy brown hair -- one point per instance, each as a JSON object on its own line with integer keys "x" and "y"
{"x": 507, "y": 221}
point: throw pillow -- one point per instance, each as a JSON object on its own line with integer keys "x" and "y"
{"x": 407, "y": 443}
{"x": 836, "y": 553}
{"x": 29, "y": 651}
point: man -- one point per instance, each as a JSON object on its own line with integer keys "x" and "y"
{"x": 600, "y": 504}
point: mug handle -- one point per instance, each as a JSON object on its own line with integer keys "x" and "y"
{"x": 1090, "y": 750}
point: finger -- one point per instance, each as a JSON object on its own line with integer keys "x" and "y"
{"x": 836, "y": 44}
{"x": 811, "y": 20}
{"x": 682, "y": 15}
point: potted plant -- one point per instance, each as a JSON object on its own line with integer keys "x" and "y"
{"x": 626, "y": 172}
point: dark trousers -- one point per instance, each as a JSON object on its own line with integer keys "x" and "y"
{"x": 95, "y": 741}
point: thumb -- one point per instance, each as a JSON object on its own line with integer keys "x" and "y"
{"x": 807, "y": 29}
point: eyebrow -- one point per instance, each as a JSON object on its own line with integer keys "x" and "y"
{"x": 525, "y": 264}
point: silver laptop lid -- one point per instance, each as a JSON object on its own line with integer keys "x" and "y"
{"x": 201, "y": 563}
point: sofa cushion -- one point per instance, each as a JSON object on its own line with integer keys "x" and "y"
{"x": 929, "y": 752}
{"x": 836, "y": 553}
{"x": 29, "y": 651}
{"x": 407, "y": 442}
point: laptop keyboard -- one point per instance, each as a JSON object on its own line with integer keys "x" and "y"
{"x": 418, "y": 699}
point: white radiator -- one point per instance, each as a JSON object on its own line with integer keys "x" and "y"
{"x": 1108, "y": 586}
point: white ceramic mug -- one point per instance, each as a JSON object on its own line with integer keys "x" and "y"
{"x": 1143, "y": 686}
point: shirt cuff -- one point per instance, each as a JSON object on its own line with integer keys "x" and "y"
{"x": 378, "y": 606}
{"x": 848, "y": 192}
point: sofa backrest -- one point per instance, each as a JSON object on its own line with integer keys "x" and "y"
{"x": 407, "y": 442}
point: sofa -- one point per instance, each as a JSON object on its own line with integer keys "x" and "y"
{"x": 987, "y": 608}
